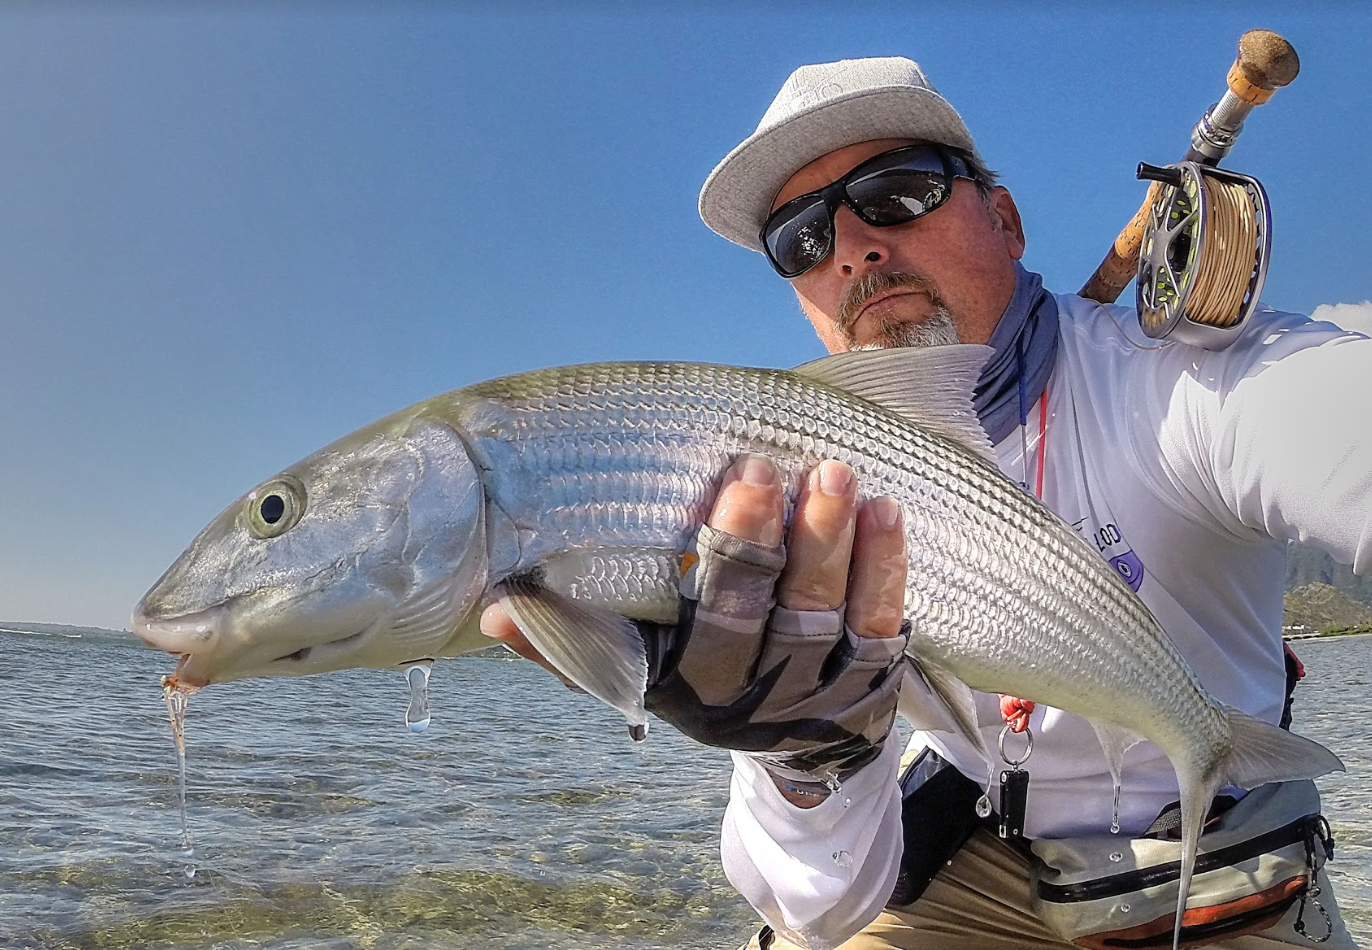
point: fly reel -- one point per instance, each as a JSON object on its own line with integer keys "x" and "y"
{"x": 1204, "y": 254}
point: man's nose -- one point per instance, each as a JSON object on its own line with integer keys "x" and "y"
{"x": 859, "y": 247}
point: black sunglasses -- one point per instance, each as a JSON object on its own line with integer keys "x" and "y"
{"x": 895, "y": 187}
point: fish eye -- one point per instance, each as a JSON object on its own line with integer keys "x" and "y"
{"x": 274, "y": 508}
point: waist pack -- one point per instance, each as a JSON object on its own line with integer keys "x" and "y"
{"x": 1256, "y": 860}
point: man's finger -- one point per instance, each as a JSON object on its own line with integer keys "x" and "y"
{"x": 876, "y": 591}
{"x": 748, "y": 505}
{"x": 1016, "y": 712}
{"x": 820, "y": 542}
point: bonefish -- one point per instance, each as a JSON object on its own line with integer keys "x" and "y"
{"x": 568, "y": 494}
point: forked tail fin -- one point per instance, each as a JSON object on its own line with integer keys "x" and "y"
{"x": 1260, "y": 753}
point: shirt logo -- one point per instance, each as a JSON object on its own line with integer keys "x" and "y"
{"x": 1130, "y": 568}
{"x": 1109, "y": 542}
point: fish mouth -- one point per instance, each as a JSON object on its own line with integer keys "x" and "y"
{"x": 192, "y": 671}
{"x": 197, "y": 639}
{"x": 189, "y": 637}
{"x": 182, "y": 679}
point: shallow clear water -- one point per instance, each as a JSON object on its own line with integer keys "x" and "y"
{"x": 522, "y": 818}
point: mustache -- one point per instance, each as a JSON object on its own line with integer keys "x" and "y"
{"x": 860, "y": 292}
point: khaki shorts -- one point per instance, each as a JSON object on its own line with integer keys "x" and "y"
{"x": 981, "y": 902}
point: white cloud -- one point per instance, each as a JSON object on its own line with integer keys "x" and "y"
{"x": 1350, "y": 316}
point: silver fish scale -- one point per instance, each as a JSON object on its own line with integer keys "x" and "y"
{"x": 628, "y": 456}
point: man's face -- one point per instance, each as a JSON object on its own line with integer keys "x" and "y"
{"x": 894, "y": 286}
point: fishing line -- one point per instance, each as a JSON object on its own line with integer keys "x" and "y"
{"x": 1228, "y": 255}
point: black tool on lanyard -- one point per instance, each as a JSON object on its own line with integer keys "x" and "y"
{"x": 1014, "y": 787}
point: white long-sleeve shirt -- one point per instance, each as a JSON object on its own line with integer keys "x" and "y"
{"x": 1189, "y": 470}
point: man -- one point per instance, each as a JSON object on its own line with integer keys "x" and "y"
{"x": 1188, "y": 469}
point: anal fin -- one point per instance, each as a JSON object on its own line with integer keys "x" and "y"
{"x": 1114, "y": 742}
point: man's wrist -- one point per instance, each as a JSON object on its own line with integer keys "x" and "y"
{"x": 808, "y": 788}
{"x": 800, "y": 794}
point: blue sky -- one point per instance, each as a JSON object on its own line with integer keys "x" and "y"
{"x": 233, "y": 232}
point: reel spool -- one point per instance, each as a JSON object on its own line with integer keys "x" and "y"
{"x": 1204, "y": 255}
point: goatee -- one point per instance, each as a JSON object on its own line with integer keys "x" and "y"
{"x": 936, "y": 330}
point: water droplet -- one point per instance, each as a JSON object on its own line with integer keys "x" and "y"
{"x": 1116, "y": 856}
{"x": 1114, "y": 826}
{"x": 843, "y": 859}
{"x": 638, "y": 732}
{"x": 847, "y": 801}
{"x": 984, "y": 807}
{"x": 1115, "y": 812}
{"x": 1124, "y": 908}
{"x": 417, "y": 713}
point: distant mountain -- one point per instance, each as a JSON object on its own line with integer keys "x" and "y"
{"x": 1319, "y": 608}
{"x": 60, "y": 629}
{"x": 1308, "y": 566}
{"x": 1323, "y": 596}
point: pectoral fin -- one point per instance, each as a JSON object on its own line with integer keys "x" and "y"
{"x": 597, "y": 650}
{"x": 920, "y": 706}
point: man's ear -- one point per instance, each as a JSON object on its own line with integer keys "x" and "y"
{"x": 1005, "y": 216}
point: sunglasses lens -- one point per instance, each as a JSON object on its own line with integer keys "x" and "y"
{"x": 895, "y": 187}
{"x": 798, "y": 235}
{"x": 900, "y": 193}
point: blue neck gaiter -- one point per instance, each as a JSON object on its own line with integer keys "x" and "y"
{"x": 1026, "y": 347}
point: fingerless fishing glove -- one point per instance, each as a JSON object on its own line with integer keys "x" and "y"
{"x": 795, "y": 688}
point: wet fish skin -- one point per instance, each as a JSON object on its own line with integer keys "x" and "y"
{"x": 569, "y": 493}
{"x": 385, "y": 555}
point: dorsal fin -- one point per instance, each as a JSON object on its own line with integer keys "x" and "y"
{"x": 931, "y": 386}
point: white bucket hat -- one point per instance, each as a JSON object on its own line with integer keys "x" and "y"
{"x": 819, "y": 109}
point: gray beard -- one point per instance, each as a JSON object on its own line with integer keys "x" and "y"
{"x": 938, "y": 330}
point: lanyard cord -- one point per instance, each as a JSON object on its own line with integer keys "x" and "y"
{"x": 1023, "y": 414}
{"x": 1043, "y": 439}
{"x": 1013, "y": 710}
{"x": 1024, "y": 424}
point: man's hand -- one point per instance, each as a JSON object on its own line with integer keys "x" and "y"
{"x": 788, "y": 683}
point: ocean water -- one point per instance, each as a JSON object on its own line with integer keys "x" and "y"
{"x": 523, "y": 818}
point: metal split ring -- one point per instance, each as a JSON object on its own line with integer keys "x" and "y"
{"x": 1028, "y": 749}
